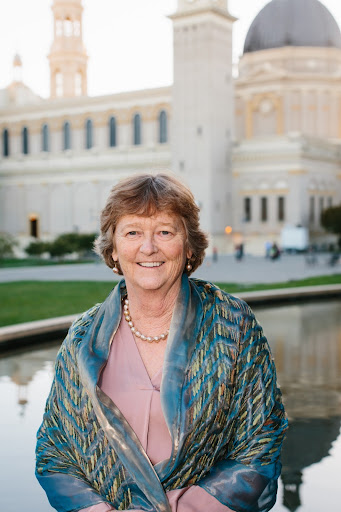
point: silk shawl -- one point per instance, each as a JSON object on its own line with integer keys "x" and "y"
{"x": 219, "y": 397}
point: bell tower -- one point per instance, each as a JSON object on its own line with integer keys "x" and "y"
{"x": 68, "y": 58}
{"x": 202, "y": 107}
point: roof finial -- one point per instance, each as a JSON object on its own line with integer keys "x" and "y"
{"x": 17, "y": 68}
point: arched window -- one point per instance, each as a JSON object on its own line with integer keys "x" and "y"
{"x": 59, "y": 28}
{"x": 281, "y": 208}
{"x": 5, "y": 142}
{"x": 112, "y": 132}
{"x": 312, "y": 210}
{"x": 24, "y": 141}
{"x": 76, "y": 28}
{"x": 34, "y": 225}
{"x": 88, "y": 134}
{"x": 45, "y": 142}
{"x": 163, "y": 127}
{"x": 137, "y": 129}
{"x": 247, "y": 209}
{"x": 66, "y": 136}
{"x": 321, "y": 205}
{"x": 263, "y": 209}
{"x": 68, "y": 27}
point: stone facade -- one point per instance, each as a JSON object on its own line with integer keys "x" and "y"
{"x": 258, "y": 152}
{"x": 63, "y": 189}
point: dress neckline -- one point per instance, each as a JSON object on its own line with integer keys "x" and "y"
{"x": 134, "y": 353}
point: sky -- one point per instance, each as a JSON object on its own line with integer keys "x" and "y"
{"x": 129, "y": 42}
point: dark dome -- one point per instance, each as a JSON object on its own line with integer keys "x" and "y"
{"x": 293, "y": 23}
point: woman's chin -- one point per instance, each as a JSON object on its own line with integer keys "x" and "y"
{"x": 151, "y": 284}
{"x": 156, "y": 283}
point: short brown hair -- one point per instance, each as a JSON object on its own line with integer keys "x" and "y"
{"x": 147, "y": 194}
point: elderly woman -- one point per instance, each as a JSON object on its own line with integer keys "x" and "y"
{"x": 164, "y": 397}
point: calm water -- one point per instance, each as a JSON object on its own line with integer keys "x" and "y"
{"x": 306, "y": 344}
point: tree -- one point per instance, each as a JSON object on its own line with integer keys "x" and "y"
{"x": 71, "y": 242}
{"x": 331, "y": 220}
{"x": 7, "y": 244}
{"x": 86, "y": 242}
{"x": 62, "y": 245}
{"x": 37, "y": 248}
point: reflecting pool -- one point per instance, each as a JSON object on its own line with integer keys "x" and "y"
{"x": 306, "y": 344}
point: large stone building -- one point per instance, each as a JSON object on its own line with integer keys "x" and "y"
{"x": 259, "y": 151}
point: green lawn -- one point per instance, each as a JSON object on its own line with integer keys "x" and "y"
{"x": 33, "y": 262}
{"x": 310, "y": 281}
{"x": 25, "y": 301}
{"x": 34, "y": 300}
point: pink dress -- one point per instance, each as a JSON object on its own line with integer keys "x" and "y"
{"x": 126, "y": 381}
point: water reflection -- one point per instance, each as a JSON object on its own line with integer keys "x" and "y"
{"x": 22, "y": 368}
{"x": 306, "y": 344}
{"x": 307, "y": 443}
{"x": 25, "y": 379}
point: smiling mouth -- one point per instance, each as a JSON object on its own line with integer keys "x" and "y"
{"x": 151, "y": 264}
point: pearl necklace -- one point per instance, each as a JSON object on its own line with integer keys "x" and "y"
{"x": 137, "y": 333}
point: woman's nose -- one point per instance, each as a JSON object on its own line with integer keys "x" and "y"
{"x": 148, "y": 246}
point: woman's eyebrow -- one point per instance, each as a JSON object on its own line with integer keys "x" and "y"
{"x": 137, "y": 224}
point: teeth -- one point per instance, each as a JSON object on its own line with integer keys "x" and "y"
{"x": 152, "y": 264}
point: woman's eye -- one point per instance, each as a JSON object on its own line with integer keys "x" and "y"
{"x": 165, "y": 233}
{"x": 132, "y": 233}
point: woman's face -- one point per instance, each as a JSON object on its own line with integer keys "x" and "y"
{"x": 151, "y": 250}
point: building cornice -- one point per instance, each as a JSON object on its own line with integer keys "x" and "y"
{"x": 203, "y": 10}
{"x": 73, "y": 106}
{"x": 291, "y": 79}
{"x": 50, "y": 166}
{"x": 292, "y": 52}
{"x": 286, "y": 149}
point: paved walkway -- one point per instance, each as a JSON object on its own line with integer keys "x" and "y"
{"x": 252, "y": 269}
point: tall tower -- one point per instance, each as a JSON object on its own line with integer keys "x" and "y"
{"x": 68, "y": 58}
{"x": 202, "y": 107}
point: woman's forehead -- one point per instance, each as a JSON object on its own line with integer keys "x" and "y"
{"x": 157, "y": 218}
